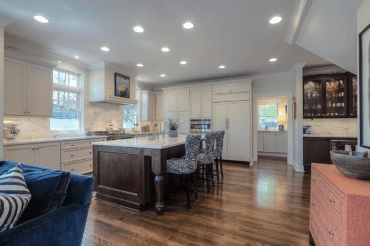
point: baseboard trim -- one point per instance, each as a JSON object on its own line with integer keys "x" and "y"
{"x": 279, "y": 158}
{"x": 298, "y": 168}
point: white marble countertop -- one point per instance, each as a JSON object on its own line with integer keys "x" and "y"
{"x": 327, "y": 136}
{"x": 51, "y": 139}
{"x": 142, "y": 142}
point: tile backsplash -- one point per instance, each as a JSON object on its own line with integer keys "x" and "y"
{"x": 333, "y": 127}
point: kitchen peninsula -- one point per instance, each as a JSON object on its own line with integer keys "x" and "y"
{"x": 129, "y": 172}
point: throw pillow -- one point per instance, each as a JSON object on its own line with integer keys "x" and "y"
{"x": 14, "y": 197}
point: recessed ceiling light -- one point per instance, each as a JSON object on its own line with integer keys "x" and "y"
{"x": 273, "y": 60}
{"x": 222, "y": 67}
{"x": 59, "y": 62}
{"x": 140, "y": 65}
{"x": 163, "y": 75}
{"x": 275, "y": 20}
{"x": 188, "y": 25}
{"x": 138, "y": 29}
{"x": 165, "y": 49}
{"x": 104, "y": 48}
{"x": 183, "y": 62}
{"x": 41, "y": 19}
{"x": 77, "y": 57}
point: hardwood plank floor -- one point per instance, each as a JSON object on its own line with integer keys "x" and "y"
{"x": 267, "y": 204}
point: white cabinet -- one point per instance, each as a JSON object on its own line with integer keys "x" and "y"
{"x": 27, "y": 89}
{"x": 234, "y": 119}
{"x": 43, "y": 155}
{"x": 159, "y": 106}
{"x": 183, "y": 100}
{"x": 273, "y": 142}
{"x": 147, "y": 107}
{"x": 231, "y": 88}
{"x": 201, "y": 102}
{"x": 176, "y": 106}
{"x": 170, "y": 100}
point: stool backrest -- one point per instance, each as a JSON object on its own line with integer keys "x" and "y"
{"x": 192, "y": 143}
{"x": 219, "y": 143}
{"x": 210, "y": 146}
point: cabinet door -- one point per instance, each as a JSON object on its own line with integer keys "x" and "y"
{"x": 241, "y": 87}
{"x": 313, "y": 101}
{"x": 220, "y": 112}
{"x": 269, "y": 142}
{"x": 170, "y": 100}
{"x": 20, "y": 153}
{"x": 196, "y": 102}
{"x": 281, "y": 143}
{"x": 260, "y": 136}
{"x": 39, "y": 91}
{"x": 159, "y": 106}
{"x": 14, "y": 87}
{"x": 48, "y": 155}
{"x": 207, "y": 102}
{"x": 144, "y": 105}
{"x": 184, "y": 119}
{"x": 151, "y": 106}
{"x": 169, "y": 115}
{"x": 220, "y": 89}
{"x": 183, "y": 100}
{"x": 239, "y": 131}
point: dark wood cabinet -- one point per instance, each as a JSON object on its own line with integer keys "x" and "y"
{"x": 330, "y": 96}
{"x": 317, "y": 150}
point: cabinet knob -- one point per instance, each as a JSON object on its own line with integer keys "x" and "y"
{"x": 72, "y": 169}
{"x": 71, "y": 155}
{"x": 332, "y": 200}
{"x": 90, "y": 152}
{"x": 313, "y": 204}
{"x": 331, "y": 233}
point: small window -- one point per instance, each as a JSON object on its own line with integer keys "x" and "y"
{"x": 130, "y": 116}
{"x": 67, "y": 100}
{"x": 268, "y": 114}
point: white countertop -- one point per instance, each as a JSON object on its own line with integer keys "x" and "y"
{"x": 142, "y": 142}
{"x": 327, "y": 136}
{"x": 48, "y": 140}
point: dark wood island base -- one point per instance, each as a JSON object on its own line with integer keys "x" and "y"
{"x": 130, "y": 176}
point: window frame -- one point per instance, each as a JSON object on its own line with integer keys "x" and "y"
{"x": 267, "y": 102}
{"x": 136, "y": 115}
{"x": 80, "y": 99}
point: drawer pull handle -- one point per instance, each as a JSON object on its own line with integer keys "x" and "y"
{"x": 332, "y": 200}
{"x": 313, "y": 204}
{"x": 72, "y": 169}
{"x": 312, "y": 227}
{"x": 90, "y": 152}
{"x": 71, "y": 155}
{"x": 72, "y": 145}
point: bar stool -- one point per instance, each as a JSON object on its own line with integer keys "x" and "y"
{"x": 218, "y": 153}
{"x": 205, "y": 158}
{"x": 188, "y": 165}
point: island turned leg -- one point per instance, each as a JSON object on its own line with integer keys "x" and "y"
{"x": 159, "y": 190}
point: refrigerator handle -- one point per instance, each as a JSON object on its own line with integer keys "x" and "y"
{"x": 227, "y": 123}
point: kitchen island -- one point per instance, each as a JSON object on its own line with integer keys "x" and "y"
{"x": 129, "y": 172}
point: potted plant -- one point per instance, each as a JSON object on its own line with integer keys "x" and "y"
{"x": 173, "y": 124}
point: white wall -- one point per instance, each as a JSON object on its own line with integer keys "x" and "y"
{"x": 1, "y": 87}
{"x": 272, "y": 86}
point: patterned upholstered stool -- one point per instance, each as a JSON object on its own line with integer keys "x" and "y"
{"x": 205, "y": 158}
{"x": 218, "y": 153}
{"x": 188, "y": 165}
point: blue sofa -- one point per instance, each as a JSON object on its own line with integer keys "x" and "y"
{"x": 61, "y": 226}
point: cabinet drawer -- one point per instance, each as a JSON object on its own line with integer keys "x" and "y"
{"x": 316, "y": 230}
{"x": 229, "y": 97}
{"x": 77, "y": 144}
{"x": 79, "y": 167}
{"x": 75, "y": 154}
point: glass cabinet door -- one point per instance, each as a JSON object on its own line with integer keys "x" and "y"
{"x": 336, "y": 96}
{"x": 313, "y": 100}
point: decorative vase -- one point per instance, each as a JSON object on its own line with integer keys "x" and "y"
{"x": 172, "y": 133}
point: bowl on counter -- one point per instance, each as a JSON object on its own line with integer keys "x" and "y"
{"x": 356, "y": 166}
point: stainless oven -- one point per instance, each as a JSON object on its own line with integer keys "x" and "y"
{"x": 200, "y": 125}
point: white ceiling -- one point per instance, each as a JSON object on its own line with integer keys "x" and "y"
{"x": 235, "y": 33}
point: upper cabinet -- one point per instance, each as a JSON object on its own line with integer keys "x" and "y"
{"x": 231, "y": 88}
{"x": 27, "y": 89}
{"x": 159, "y": 106}
{"x": 176, "y": 105}
{"x": 201, "y": 102}
{"x": 148, "y": 106}
{"x": 330, "y": 96}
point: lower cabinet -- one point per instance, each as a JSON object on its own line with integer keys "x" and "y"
{"x": 272, "y": 142}
{"x": 43, "y": 155}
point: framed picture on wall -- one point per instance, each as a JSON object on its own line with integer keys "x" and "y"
{"x": 121, "y": 85}
{"x": 364, "y": 87}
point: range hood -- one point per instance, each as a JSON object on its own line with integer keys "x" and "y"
{"x": 102, "y": 84}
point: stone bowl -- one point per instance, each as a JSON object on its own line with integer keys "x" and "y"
{"x": 356, "y": 166}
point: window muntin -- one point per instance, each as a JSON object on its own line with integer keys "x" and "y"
{"x": 268, "y": 114}
{"x": 130, "y": 116}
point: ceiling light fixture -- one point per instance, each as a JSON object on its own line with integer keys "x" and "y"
{"x": 275, "y": 20}
{"x": 188, "y": 25}
{"x": 140, "y": 65}
{"x": 138, "y": 29}
{"x": 163, "y": 75}
{"x": 222, "y": 67}
{"x": 165, "y": 49}
{"x": 183, "y": 62}
{"x": 77, "y": 57}
{"x": 104, "y": 48}
{"x": 41, "y": 19}
{"x": 273, "y": 60}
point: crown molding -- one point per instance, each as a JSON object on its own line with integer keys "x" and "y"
{"x": 301, "y": 8}
{"x": 105, "y": 64}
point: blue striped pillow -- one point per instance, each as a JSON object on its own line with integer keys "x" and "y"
{"x": 14, "y": 197}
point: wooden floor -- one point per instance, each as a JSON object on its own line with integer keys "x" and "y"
{"x": 267, "y": 204}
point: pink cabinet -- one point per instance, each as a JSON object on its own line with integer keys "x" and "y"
{"x": 339, "y": 209}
